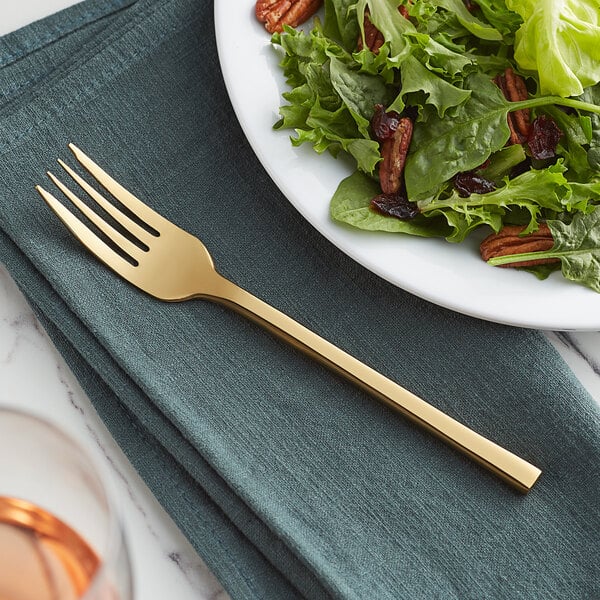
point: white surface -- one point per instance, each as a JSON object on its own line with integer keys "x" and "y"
{"x": 447, "y": 274}
{"x": 34, "y": 376}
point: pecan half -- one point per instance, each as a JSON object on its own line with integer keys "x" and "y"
{"x": 373, "y": 37}
{"x": 514, "y": 89}
{"x": 277, "y": 13}
{"x": 404, "y": 11}
{"x": 509, "y": 241}
{"x": 393, "y": 152}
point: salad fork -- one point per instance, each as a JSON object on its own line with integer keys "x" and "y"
{"x": 170, "y": 264}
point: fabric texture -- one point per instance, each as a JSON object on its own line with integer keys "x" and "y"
{"x": 289, "y": 481}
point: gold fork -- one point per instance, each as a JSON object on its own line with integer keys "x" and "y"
{"x": 171, "y": 264}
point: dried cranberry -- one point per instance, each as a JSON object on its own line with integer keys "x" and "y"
{"x": 543, "y": 137}
{"x": 470, "y": 183}
{"x": 519, "y": 169}
{"x": 395, "y": 205}
{"x": 383, "y": 124}
{"x": 470, "y": 6}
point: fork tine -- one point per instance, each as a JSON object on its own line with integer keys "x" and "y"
{"x": 108, "y": 230}
{"x": 130, "y": 225}
{"x": 87, "y": 237}
{"x": 135, "y": 205}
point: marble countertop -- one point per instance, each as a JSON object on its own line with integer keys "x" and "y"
{"x": 34, "y": 375}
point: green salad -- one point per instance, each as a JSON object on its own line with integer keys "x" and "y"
{"x": 487, "y": 114}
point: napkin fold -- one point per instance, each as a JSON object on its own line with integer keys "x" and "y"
{"x": 289, "y": 481}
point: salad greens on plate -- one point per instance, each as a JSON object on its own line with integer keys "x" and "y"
{"x": 502, "y": 103}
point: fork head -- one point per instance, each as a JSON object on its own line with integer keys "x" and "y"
{"x": 132, "y": 239}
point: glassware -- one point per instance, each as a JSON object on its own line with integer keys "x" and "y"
{"x": 61, "y": 534}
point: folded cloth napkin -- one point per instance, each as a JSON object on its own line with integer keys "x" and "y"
{"x": 290, "y": 482}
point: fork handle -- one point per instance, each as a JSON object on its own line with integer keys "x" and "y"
{"x": 509, "y": 467}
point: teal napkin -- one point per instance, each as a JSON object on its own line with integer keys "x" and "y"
{"x": 290, "y": 482}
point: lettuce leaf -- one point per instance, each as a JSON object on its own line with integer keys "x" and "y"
{"x": 471, "y": 23}
{"x": 504, "y": 20}
{"x": 435, "y": 90}
{"x": 561, "y": 42}
{"x": 534, "y": 191}
{"x": 443, "y": 147}
{"x": 385, "y": 16}
{"x": 577, "y": 245}
{"x": 592, "y": 94}
{"x": 339, "y": 25}
{"x": 351, "y": 205}
{"x": 331, "y": 100}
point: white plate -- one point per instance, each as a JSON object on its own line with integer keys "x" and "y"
{"x": 447, "y": 274}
